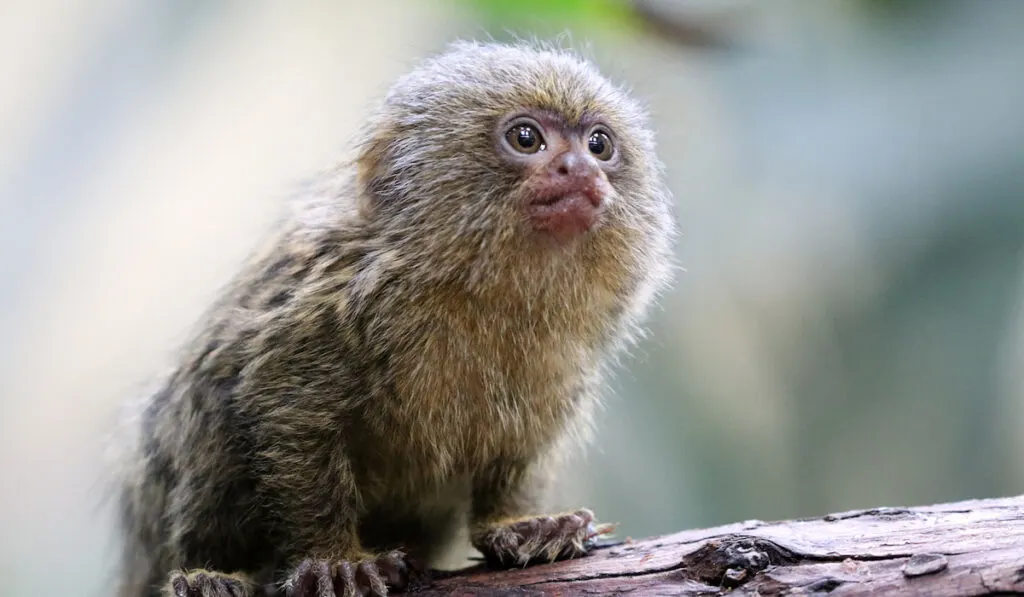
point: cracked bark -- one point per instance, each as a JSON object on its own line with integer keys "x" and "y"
{"x": 973, "y": 548}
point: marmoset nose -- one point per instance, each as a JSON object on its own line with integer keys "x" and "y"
{"x": 572, "y": 165}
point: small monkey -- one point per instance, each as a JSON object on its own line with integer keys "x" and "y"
{"x": 420, "y": 341}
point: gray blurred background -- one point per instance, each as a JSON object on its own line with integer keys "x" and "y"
{"x": 848, "y": 332}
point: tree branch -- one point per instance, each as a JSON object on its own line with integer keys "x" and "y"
{"x": 960, "y": 549}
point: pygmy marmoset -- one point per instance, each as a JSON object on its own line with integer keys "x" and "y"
{"x": 423, "y": 337}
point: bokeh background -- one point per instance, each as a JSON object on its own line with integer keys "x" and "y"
{"x": 849, "y": 175}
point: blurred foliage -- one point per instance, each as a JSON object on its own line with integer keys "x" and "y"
{"x": 550, "y": 16}
{"x": 894, "y": 8}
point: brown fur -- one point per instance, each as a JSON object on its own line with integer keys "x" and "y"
{"x": 401, "y": 355}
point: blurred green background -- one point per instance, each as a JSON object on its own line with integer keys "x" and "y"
{"x": 849, "y": 176}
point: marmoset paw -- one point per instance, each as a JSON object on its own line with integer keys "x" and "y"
{"x": 202, "y": 583}
{"x": 365, "y": 576}
{"x": 523, "y": 541}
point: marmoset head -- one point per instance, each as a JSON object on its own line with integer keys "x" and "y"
{"x": 492, "y": 153}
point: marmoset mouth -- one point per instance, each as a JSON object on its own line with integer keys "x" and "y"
{"x": 550, "y": 194}
{"x": 565, "y": 216}
{"x": 570, "y": 201}
{"x": 589, "y": 198}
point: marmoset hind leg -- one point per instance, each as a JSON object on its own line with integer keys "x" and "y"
{"x": 349, "y": 572}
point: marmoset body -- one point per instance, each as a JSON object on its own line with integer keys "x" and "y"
{"x": 424, "y": 335}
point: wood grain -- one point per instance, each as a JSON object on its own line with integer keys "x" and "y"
{"x": 962, "y": 549}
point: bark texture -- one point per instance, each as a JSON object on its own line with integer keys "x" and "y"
{"x": 962, "y": 549}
